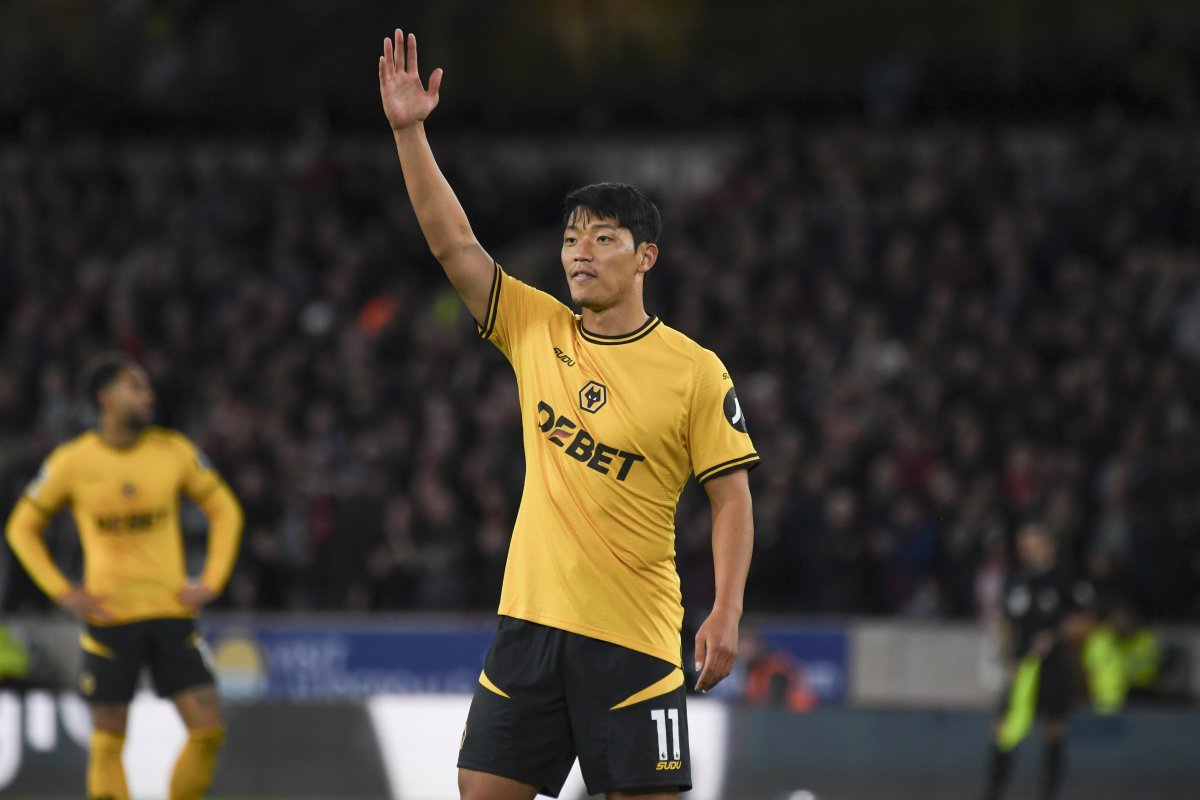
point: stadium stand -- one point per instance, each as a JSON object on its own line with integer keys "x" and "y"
{"x": 936, "y": 333}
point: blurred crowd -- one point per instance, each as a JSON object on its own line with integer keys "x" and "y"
{"x": 935, "y": 335}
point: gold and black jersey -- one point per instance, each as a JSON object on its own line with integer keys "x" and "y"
{"x": 125, "y": 503}
{"x": 613, "y": 427}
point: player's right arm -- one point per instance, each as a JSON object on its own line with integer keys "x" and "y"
{"x": 38, "y": 504}
{"x": 448, "y": 232}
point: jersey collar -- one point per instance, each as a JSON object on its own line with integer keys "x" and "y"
{"x": 621, "y": 338}
{"x": 114, "y": 448}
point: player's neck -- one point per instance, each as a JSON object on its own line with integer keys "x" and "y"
{"x": 616, "y": 320}
{"x": 1043, "y": 567}
{"x": 118, "y": 434}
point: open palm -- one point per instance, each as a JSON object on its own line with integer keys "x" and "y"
{"x": 405, "y": 101}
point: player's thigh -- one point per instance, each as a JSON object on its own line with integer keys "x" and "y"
{"x": 475, "y": 785}
{"x": 1055, "y": 691}
{"x": 517, "y": 727}
{"x": 629, "y": 718}
{"x": 1002, "y": 708}
{"x": 112, "y": 663}
{"x": 177, "y": 657}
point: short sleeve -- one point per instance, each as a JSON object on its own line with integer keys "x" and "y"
{"x": 50, "y": 489}
{"x": 514, "y": 308}
{"x": 199, "y": 477}
{"x": 718, "y": 439}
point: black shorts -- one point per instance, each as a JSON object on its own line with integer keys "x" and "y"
{"x": 113, "y": 657}
{"x": 547, "y": 696}
{"x": 1055, "y": 689}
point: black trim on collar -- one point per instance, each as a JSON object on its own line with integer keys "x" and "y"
{"x": 624, "y": 338}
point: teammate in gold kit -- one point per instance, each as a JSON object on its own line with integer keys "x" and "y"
{"x": 123, "y": 482}
{"x": 618, "y": 410}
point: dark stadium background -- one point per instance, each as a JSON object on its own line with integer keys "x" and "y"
{"x": 949, "y": 251}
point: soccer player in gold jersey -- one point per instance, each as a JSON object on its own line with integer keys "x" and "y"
{"x": 617, "y": 410}
{"x": 123, "y": 482}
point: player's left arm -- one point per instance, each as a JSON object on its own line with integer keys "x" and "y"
{"x": 732, "y": 544}
{"x": 224, "y": 535}
{"x": 224, "y": 513}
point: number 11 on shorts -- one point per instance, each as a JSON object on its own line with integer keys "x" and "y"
{"x": 660, "y": 717}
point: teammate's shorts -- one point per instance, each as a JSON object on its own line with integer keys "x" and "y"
{"x": 113, "y": 657}
{"x": 547, "y": 696}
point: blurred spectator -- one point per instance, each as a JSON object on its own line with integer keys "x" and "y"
{"x": 774, "y": 678}
{"x": 1121, "y": 658}
{"x": 934, "y": 334}
{"x": 14, "y": 660}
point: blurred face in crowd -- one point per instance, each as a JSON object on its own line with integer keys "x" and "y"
{"x": 602, "y": 265}
{"x": 1036, "y": 546}
{"x": 129, "y": 399}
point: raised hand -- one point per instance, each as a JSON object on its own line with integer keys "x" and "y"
{"x": 405, "y": 101}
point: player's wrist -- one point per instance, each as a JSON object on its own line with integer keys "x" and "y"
{"x": 728, "y": 608}
{"x": 209, "y": 579}
{"x": 407, "y": 130}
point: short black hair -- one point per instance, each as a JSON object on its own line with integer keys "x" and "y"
{"x": 101, "y": 371}
{"x": 629, "y": 207}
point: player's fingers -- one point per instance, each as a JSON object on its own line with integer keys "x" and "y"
{"x": 724, "y": 668}
{"x": 398, "y": 49}
{"x": 387, "y": 63}
{"x": 435, "y": 82}
{"x": 720, "y": 665}
{"x": 706, "y": 680}
{"x": 411, "y": 50}
{"x": 703, "y": 661}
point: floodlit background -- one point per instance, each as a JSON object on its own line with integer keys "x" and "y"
{"x": 949, "y": 251}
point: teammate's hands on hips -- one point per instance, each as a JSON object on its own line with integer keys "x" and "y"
{"x": 196, "y": 595}
{"x": 716, "y": 648}
{"x": 405, "y": 101}
{"x": 84, "y": 605}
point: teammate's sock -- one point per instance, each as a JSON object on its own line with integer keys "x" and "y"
{"x": 1052, "y": 769}
{"x": 106, "y": 773}
{"x": 194, "y": 769}
{"x": 998, "y": 773}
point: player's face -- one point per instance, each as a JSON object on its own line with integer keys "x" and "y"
{"x": 131, "y": 398}
{"x": 601, "y": 263}
{"x": 1036, "y": 547}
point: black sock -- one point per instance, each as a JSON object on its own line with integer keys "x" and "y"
{"x": 1052, "y": 768}
{"x": 998, "y": 773}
